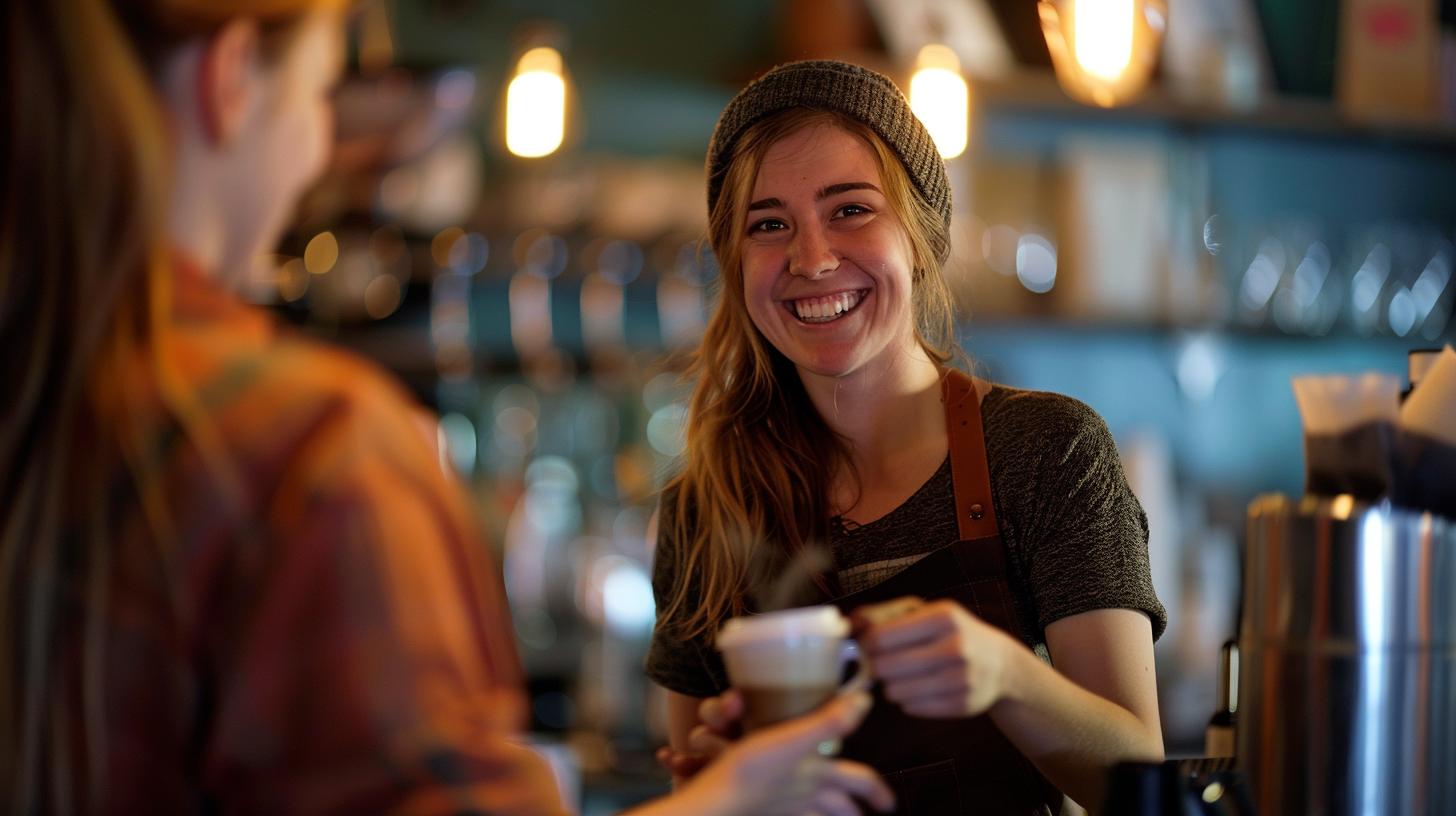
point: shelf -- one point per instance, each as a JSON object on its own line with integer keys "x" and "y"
{"x": 1037, "y": 94}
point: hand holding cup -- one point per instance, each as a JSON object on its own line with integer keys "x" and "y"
{"x": 934, "y": 659}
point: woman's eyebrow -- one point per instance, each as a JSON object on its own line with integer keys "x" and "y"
{"x": 844, "y": 187}
{"x": 833, "y": 189}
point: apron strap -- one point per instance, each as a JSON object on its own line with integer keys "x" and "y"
{"x": 970, "y": 475}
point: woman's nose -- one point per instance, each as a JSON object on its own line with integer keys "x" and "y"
{"x": 810, "y": 253}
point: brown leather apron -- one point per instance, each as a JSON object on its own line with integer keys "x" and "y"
{"x": 964, "y": 765}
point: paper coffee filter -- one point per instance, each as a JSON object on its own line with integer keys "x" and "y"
{"x": 1335, "y": 404}
{"x": 1431, "y": 407}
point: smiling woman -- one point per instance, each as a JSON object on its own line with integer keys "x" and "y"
{"x": 777, "y": 201}
{"x": 977, "y": 533}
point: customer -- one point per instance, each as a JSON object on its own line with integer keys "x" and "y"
{"x": 232, "y": 578}
{"x": 826, "y": 413}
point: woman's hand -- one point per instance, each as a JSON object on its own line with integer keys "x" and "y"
{"x": 778, "y": 772}
{"x": 719, "y": 724}
{"x": 934, "y": 659}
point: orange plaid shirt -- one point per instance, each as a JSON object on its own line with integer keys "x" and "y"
{"x": 327, "y": 631}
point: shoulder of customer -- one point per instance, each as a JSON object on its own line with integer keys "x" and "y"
{"x": 292, "y": 407}
{"x": 364, "y": 544}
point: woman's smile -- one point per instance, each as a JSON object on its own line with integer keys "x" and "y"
{"x": 818, "y": 310}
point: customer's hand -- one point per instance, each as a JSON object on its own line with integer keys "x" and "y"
{"x": 934, "y": 659}
{"x": 778, "y": 772}
{"x": 720, "y": 722}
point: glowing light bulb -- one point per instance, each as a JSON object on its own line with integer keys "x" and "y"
{"x": 536, "y": 104}
{"x": 1102, "y": 36}
{"x": 940, "y": 98}
{"x": 1104, "y": 51}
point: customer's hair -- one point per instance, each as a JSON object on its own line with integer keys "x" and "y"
{"x": 84, "y": 295}
{"x": 753, "y": 487}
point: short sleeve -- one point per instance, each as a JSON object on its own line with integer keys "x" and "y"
{"x": 1081, "y": 534}
{"x": 688, "y": 666}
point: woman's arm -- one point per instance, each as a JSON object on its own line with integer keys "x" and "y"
{"x": 1099, "y": 706}
{"x": 682, "y": 718}
{"x": 1074, "y": 722}
{"x": 682, "y": 709}
{"x": 697, "y": 730}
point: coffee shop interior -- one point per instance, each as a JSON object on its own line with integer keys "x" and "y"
{"x": 1164, "y": 208}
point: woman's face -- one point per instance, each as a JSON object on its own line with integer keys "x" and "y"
{"x": 284, "y": 145}
{"x": 826, "y": 261}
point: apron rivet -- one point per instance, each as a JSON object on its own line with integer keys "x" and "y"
{"x": 977, "y": 511}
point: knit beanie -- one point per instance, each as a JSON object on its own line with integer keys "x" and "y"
{"x": 859, "y": 93}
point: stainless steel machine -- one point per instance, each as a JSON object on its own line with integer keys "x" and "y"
{"x": 1347, "y": 686}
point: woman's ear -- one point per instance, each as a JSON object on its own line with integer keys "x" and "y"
{"x": 227, "y": 80}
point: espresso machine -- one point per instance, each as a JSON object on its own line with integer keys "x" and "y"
{"x": 1346, "y": 678}
{"x": 1347, "y": 641}
{"x": 1345, "y": 697}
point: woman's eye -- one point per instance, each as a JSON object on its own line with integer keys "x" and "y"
{"x": 767, "y": 225}
{"x": 849, "y": 210}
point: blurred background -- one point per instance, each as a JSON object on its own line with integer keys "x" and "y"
{"x": 1165, "y": 208}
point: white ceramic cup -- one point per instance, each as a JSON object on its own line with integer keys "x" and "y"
{"x": 788, "y": 663}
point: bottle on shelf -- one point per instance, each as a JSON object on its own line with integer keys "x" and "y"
{"x": 1218, "y": 738}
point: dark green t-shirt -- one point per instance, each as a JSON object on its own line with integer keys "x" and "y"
{"x": 1076, "y": 537}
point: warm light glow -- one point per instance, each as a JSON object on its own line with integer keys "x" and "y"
{"x": 1104, "y": 51}
{"x": 536, "y": 104}
{"x": 382, "y": 296}
{"x": 1102, "y": 36}
{"x": 941, "y": 99}
{"x": 442, "y": 244}
{"x": 321, "y": 253}
{"x": 530, "y": 303}
{"x": 293, "y": 279}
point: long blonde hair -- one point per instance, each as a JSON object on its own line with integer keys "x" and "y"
{"x": 83, "y": 295}
{"x": 753, "y": 488}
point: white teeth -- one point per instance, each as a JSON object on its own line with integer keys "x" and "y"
{"x": 826, "y": 309}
